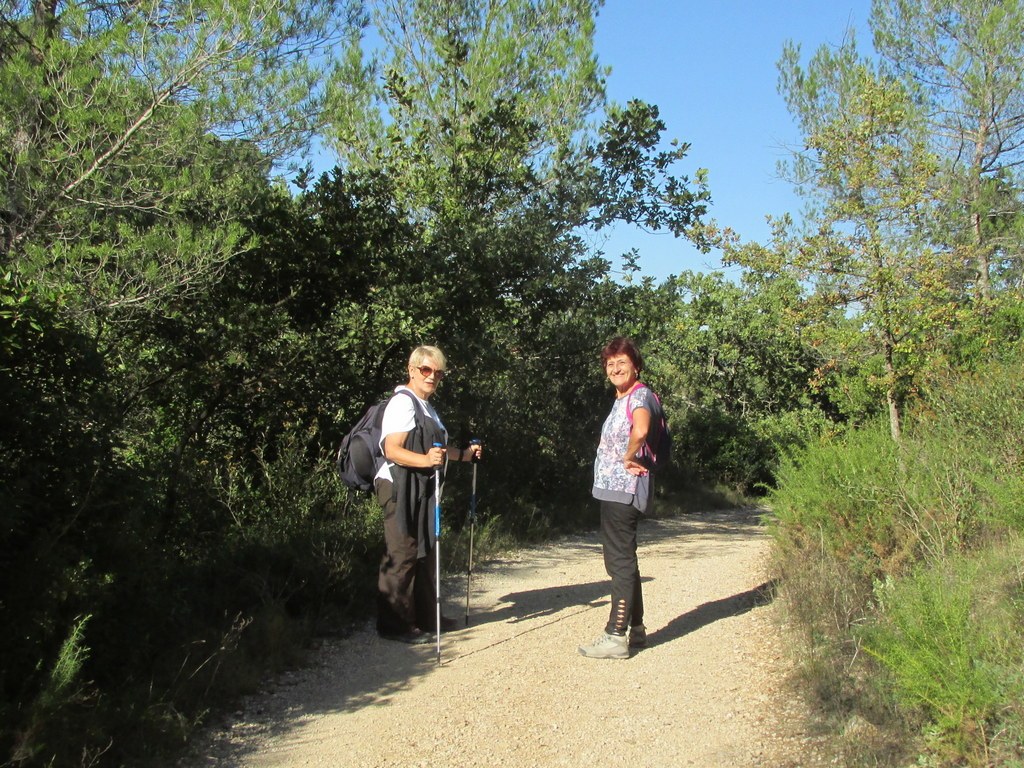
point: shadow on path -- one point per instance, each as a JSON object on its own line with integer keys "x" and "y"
{"x": 708, "y": 613}
{"x": 362, "y": 671}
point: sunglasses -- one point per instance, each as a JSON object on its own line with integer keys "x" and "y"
{"x": 426, "y": 370}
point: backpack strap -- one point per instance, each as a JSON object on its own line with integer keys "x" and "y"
{"x": 417, "y": 413}
{"x": 409, "y": 392}
{"x": 629, "y": 401}
{"x": 657, "y": 418}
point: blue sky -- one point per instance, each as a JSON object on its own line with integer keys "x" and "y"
{"x": 710, "y": 68}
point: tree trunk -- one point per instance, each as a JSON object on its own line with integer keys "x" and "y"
{"x": 980, "y": 247}
{"x": 892, "y": 398}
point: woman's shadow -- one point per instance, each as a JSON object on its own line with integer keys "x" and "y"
{"x": 550, "y": 601}
{"x": 707, "y": 613}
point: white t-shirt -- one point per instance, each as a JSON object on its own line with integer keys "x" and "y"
{"x": 399, "y": 416}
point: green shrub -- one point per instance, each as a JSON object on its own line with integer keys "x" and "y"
{"x": 716, "y": 447}
{"x": 975, "y": 432}
{"x": 912, "y": 552}
{"x": 948, "y": 635}
{"x": 837, "y": 498}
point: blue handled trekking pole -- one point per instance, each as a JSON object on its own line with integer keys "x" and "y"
{"x": 472, "y": 525}
{"x": 437, "y": 552}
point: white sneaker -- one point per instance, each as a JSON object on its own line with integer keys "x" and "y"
{"x": 607, "y": 647}
{"x": 637, "y": 636}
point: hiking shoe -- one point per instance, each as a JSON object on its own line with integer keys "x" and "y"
{"x": 607, "y": 647}
{"x": 637, "y": 636}
{"x": 413, "y": 636}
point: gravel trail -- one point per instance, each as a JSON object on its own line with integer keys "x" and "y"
{"x": 512, "y": 691}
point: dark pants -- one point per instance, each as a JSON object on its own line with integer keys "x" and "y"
{"x": 618, "y": 536}
{"x": 406, "y": 597}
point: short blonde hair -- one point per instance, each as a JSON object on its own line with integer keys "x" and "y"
{"x": 426, "y": 352}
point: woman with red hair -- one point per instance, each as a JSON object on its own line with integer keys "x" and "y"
{"x": 622, "y": 486}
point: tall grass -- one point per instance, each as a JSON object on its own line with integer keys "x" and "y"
{"x": 947, "y": 636}
{"x": 902, "y": 569}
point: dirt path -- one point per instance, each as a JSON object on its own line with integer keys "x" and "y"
{"x": 513, "y": 692}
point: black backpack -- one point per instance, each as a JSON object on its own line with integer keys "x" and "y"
{"x": 657, "y": 450}
{"x": 359, "y": 456}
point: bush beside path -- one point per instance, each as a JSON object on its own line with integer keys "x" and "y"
{"x": 710, "y": 688}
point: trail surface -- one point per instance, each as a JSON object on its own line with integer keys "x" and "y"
{"x": 708, "y": 690}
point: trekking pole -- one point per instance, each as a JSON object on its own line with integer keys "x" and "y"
{"x": 472, "y": 525}
{"x": 437, "y": 552}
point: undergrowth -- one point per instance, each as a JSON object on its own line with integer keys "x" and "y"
{"x": 903, "y": 573}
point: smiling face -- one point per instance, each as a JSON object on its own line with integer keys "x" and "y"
{"x": 621, "y": 372}
{"x": 426, "y": 369}
{"x": 424, "y": 377}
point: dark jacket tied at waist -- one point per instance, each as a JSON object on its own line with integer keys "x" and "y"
{"x": 413, "y": 489}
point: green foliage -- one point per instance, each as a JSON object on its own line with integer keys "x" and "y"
{"x": 108, "y": 114}
{"x": 630, "y": 172}
{"x": 488, "y": 126}
{"x": 62, "y": 689}
{"x": 456, "y": 76}
{"x": 948, "y": 635}
{"x": 972, "y": 430}
{"x": 68, "y": 665}
{"x": 912, "y": 552}
{"x": 961, "y": 59}
{"x": 733, "y": 370}
{"x": 993, "y": 332}
{"x": 869, "y": 171}
{"x": 184, "y": 345}
{"x": 57, "y": 474}
{"x": 838, "y": 497}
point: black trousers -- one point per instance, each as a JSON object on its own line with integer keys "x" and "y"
{"x": 618, "y": 538}
{"x": 406, "y": 596}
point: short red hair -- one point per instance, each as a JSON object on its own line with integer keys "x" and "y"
{"x": 623, "y": 345}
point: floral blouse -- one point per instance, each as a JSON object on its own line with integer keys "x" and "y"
{"x": 609, "y": 472}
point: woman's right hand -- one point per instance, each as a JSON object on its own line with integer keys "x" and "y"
{"x": 435, "y": 456}
{"x": 634, "y": 467}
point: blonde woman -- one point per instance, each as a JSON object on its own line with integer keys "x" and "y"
{"x": 413, "y": 440}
